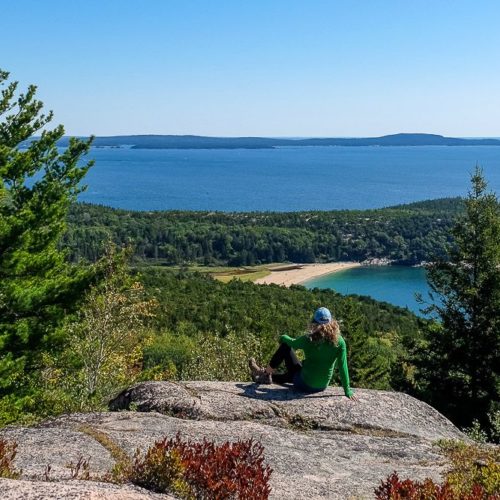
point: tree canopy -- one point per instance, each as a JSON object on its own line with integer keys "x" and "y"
{"x": 462, "y": 359}
{"x": 37, "y": 185}
{"x": 408, "y": 234}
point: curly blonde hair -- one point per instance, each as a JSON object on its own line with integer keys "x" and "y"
{"x": 329, "y": 332}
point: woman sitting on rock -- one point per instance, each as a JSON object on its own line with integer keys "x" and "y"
{"x": 323, "y": 348}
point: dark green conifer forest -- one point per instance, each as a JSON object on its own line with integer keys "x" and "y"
{"x": 408, "y": 234}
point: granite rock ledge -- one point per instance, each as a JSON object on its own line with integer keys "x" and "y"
{"x": 319, "y": 445}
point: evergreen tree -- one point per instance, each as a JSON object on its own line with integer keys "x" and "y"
{"x": 370, "y": 357}
{"x": 37, "y": 184}
{"x": 461, "y": 361}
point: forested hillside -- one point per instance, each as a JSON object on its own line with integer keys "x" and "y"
{"x": 408, "y": 234}
{"x": 199, "y": 319}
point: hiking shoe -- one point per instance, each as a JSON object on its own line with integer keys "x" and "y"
{"x": 264, "y": 378}
{"x": 255, "y": 370}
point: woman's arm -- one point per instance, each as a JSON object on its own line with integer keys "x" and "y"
{"x": 343, "y": 370}
{"x": 294, "y": 343}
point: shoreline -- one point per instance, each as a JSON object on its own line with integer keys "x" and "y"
{"x": 302, "y": 273}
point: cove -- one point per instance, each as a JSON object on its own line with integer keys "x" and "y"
{"x": 394, "y": 284}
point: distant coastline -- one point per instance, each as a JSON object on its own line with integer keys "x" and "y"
{"x": 203, "y": 142}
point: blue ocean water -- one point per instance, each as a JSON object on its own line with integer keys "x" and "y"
{"x": 395, "y": 284}
{"x": 284, "y": 179}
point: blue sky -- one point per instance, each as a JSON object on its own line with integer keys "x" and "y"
{"x": 260, "y": 67}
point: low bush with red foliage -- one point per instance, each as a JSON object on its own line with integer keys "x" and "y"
{"x": 231, "y": 470}
{"x": 8, "y": 451}
{"x": 473, "y": 474}
{"x": 394, "y": 488}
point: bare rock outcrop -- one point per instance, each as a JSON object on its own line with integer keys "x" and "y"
{"x": 318, "y": 445}
{"x": 15, "y": 489}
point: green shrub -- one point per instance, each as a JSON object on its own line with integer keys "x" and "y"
{"x": 201, "y": 356}
{"x": 472, "y": 465}
{"x": 101, "y": 349}
{"x": 494, "y": 419}
{"x": 169, "y": 353}
{"x": 160, "y": 470}
{"x": 489, "y": 433}
{"x": 476, "y": 433}
{"x": 223, "y": 358}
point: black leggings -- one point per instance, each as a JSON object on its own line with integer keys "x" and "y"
{"x": 292, "y": 364}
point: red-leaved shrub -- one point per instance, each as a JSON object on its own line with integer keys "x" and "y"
{"x": 204, "y": 470}
{"x": 229, "y": 470}
{"x": 8, "y": 451}
{"x": 394, "y": 488}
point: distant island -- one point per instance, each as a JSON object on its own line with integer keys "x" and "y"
{"x": 203, "y": 142}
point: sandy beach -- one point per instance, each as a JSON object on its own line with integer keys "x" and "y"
{"x": 286, "y": 276}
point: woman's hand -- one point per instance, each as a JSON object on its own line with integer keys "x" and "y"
{"x": 353, "y": 397}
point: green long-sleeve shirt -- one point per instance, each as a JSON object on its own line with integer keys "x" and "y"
{"x": 320, "y": 360}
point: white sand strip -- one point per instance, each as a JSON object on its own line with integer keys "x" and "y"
{"x": 303, "y": 272}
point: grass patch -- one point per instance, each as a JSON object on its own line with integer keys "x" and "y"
{"x": 243, "y": 276}
{"x": 247, "y": 273}
{"x": 224, "y": 274}
{"x": 122, "y": 465}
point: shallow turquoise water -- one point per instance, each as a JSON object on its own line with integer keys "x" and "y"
{"x": 394, "y": 284}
